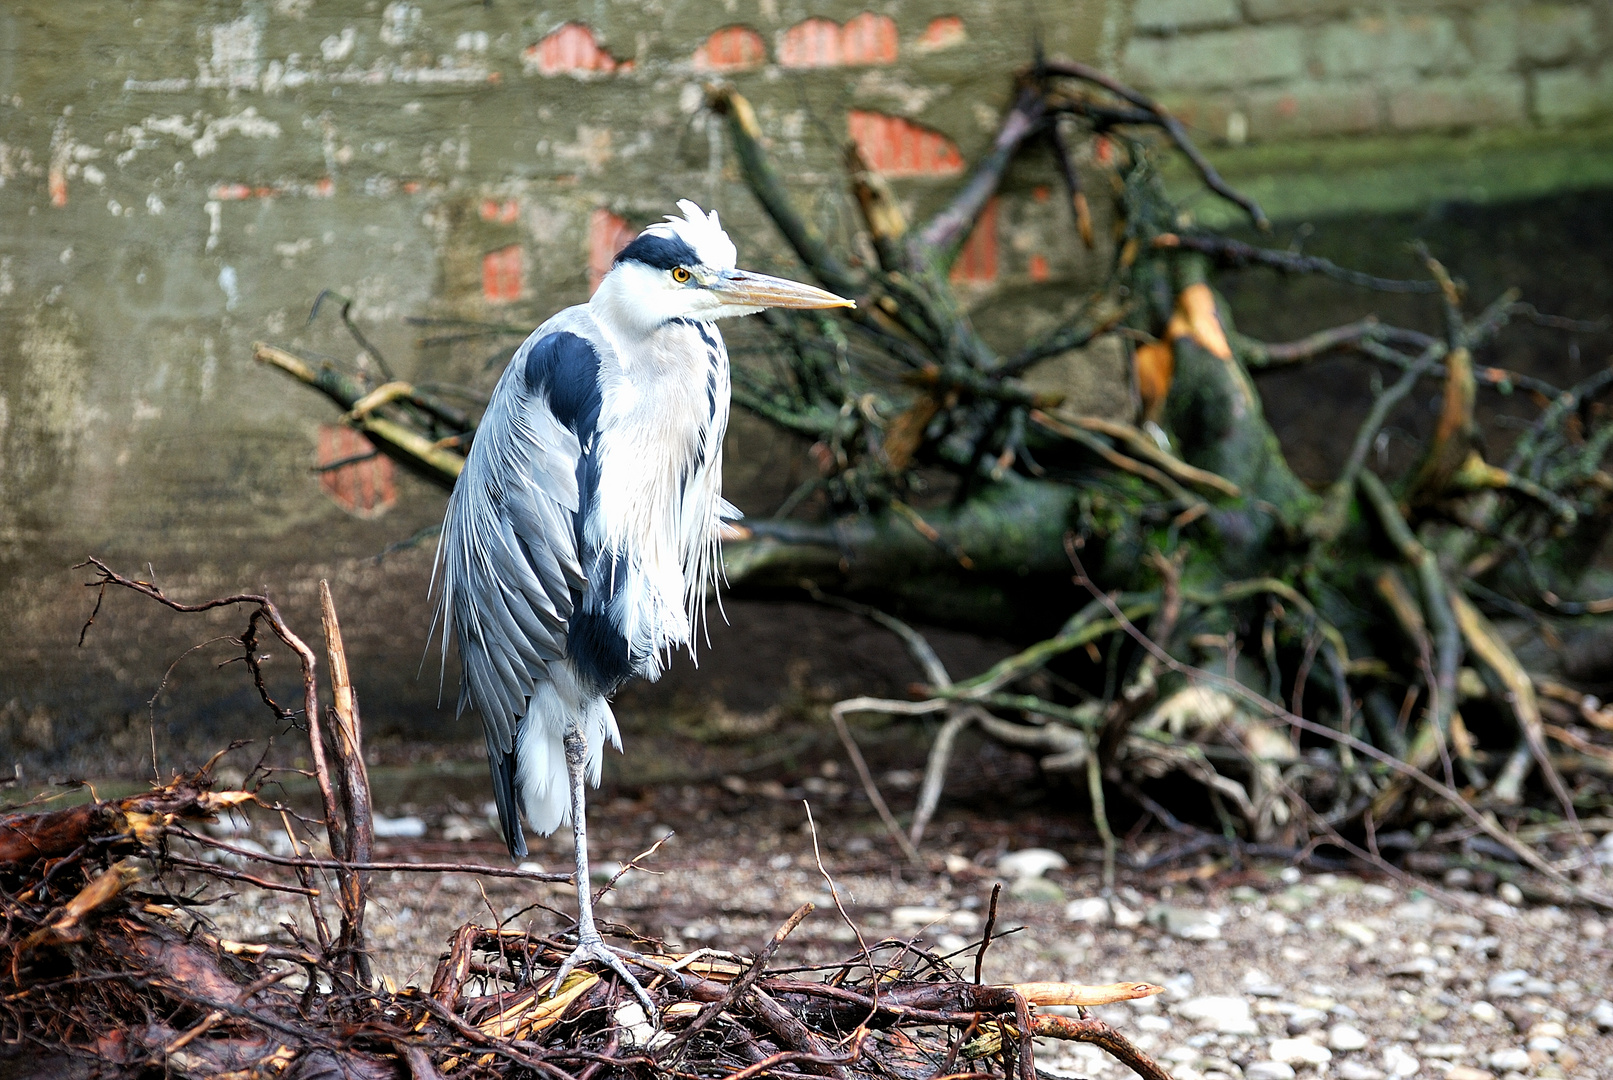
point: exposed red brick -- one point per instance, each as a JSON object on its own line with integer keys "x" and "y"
{"x": 57, "y": 183}
{"x": 505, "y": 213}
{"x": 1038, "y": 267}
{"x": 942, "y": 33}
{"x": 1103, "y": 148}
{"x": 503, "y": 274}
{"x": 818, "y": 42}
{"x": 324, "y": 187}
{"x": 237, "y": 192}
{"x": 811, "y": 44}
{"x": 733, "y": 48}
{"x": 570, "y": 50}
{"x": 607, "y": 234}
{"x": 897, "y": 147}
{"x": 1041, "y": 193}
{"x": 977, "y": 262}
{"x": 362, "y": 488}
{"x": 868, "y": 39}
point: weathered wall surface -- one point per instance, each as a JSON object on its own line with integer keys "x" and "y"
{"x": 1276, "y": 69}
{"x": 179, "y": 180}
{"x": 1328, "y": 106}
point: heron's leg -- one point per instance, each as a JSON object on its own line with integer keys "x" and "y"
{"x": 590, "y": 945}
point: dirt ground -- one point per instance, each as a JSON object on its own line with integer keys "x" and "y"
{"x": 1269, "y": 973}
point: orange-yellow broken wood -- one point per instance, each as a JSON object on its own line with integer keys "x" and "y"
{"x": 906, "y": 433}
{"x": 1083, "y": 217}
{"x": 532, "y": 1014}
{"x": 1155, "y": 365}
{"x": 69, "y": 925}
{"x": 1054, "y": 993}
{"x": 1196, "y": 317}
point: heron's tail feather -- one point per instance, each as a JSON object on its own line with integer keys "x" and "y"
{"x": 540, "y": 750}
{"x": 507, "y": 799}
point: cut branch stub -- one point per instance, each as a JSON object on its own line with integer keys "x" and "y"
{"x": 353, "y": 785}
{"x": 809, "y": 243}
{"x": 887, "y": 225}
{"x": 395, "y": 439}
{"x": 1454, "y": 434}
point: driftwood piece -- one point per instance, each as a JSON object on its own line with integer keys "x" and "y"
{"x": 29, "y": 837}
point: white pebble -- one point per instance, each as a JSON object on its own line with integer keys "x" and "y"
{"x": 1302, "y": 1020}
{"x": 1485, "y": 1013}
{"x": 1259, "y": 984}
{"x": 1089, "y": 909}
{"x": 1359, "y": 1070}
{"x": 1124, "y": 916}
{"x": 409, "y": 828}
{"x": 1030, "y": 862}
{"x": 1510, "y": 1059}
{"x": 1510, "y": 893}
{"x": 1363, "y": 936}
{"x": 1507, "y": 984}
{"x": 1299, "y": 1052}
{"x": 1227, "y": 1015}
{"x": 1346, "y": 1037}
{"x": 1602, "y": 1013}
{"x": 1268, "y": 1070}
{"x": 917, "y": 916}
{"x": 1398, "y": 1061}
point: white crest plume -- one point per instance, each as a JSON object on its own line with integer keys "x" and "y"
{"x": 701, "y": 231}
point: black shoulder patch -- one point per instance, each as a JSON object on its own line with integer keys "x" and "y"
{"x": 598, "y": 652}
{"x": 661, "y": 252}
{"x": 563, "y": 369}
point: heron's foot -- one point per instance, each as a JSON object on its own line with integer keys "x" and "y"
{"x": 592, "y": 947}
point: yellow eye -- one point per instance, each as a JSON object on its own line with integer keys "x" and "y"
{"x": 680, "y": 275}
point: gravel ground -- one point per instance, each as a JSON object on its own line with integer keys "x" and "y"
{"x": 1269, "y": 973}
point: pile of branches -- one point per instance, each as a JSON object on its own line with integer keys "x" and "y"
{"x": 1325, "y": 664}
{"x": 110, "y": 965}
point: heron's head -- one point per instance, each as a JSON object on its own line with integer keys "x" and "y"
{"x": 683, "y": 268}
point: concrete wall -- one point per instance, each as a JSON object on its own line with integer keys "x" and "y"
{"x": 1334, "y": 106}
{"x": 179, "y": 180}
{"x": 1282, "y": 69}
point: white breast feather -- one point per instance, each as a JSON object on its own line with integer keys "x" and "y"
{"x": 660, "y": 502}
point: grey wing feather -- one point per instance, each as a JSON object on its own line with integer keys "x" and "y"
{"x": 508, "y": 555}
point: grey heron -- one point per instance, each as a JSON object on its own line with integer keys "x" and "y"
{"x": 582, "y": 536}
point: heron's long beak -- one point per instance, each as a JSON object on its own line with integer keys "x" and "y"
{"x": 741, "y": 287}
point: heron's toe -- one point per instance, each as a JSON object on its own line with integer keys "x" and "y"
{"x": 592, "y": 948}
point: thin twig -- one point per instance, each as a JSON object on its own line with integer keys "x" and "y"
{"x": 837, "y": 713}
{"x": 985, "y": 936}
{"x": 741, "y": 986}
{"x": 1173, "y": 127}
{"x": 1236, "y": 253}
